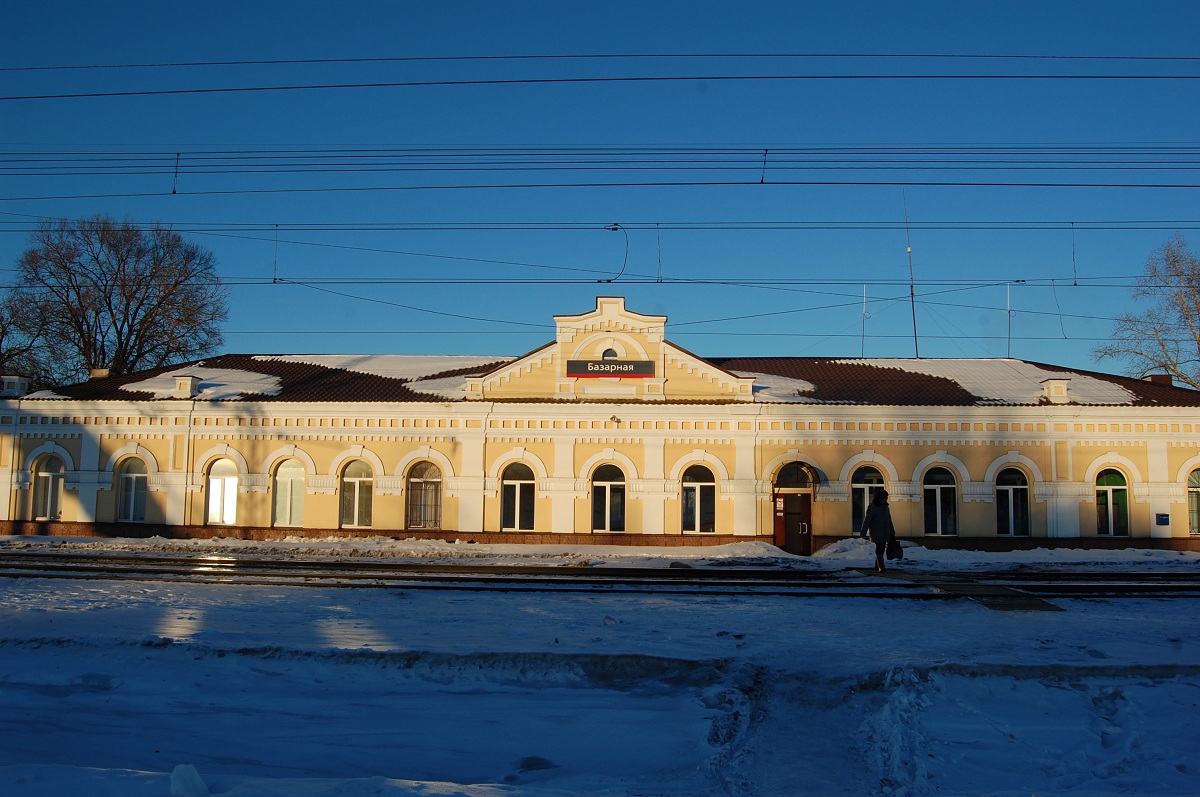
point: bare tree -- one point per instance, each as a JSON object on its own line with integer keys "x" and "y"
{"x": 22, "y": 351}
{"x": 1165, "y": 338}
{"x": 113, "y": 295}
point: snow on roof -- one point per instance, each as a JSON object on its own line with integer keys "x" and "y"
{"x": 216, "y": 384}
{"x": 780, "y": 389}
{"x": 391, "y": 366}
{"x": 1007, "y": 381}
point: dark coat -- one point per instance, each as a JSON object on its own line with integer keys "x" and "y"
{"x": 878, "y": 523}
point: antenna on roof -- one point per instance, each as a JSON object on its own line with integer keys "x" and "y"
{"x": 912, "y": 292}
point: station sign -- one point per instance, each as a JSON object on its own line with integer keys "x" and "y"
{"x": 632, "y": 369}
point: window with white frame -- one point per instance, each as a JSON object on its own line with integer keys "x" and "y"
{"x": 358, "y": 489}
{"x": 863, "y": 484}
{"x": 132, "y": 487}
{"x": 1193, "y": 494}
{"x": 49, "y": 480}
{"x": 1012, "y": 503}
{"x": 516, "y": 498}
{"x": 699, "y": 500}
{"x": 608, "y": 499}
{"x": 940, "y": 493}
{"x": 288, "y": 486}
{"x": 424, "y": 489}
{"x": 1112, "y": 503}
{"x": 222, "y": 492}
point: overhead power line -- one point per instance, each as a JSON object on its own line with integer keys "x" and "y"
{"x": 611, "y": 57}
{"x": 610, "y": 79}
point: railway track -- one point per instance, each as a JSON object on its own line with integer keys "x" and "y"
{"x": 1023, "y": 588}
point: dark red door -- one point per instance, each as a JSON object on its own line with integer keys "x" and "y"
{"x": 796, "y": 522}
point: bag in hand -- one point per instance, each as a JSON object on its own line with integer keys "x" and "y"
{"x": 894, "y": 551}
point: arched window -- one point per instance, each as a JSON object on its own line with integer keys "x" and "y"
{"x": 289, "y": 493}
{"x": 1012, "y": 502}
{"x": 222, "y": 492}
{"x": 516, "y": 498}
{"x": 863, "y": 484}
{"x": 424, "y": 491}
{"x": 1112, "y": 504}
{"x": 131, "y": 491}
{"x": 941, "y": 502}
{"x": 699, "y": 499}
{"x": 49, "y": 479}
{"x": 608, "y": 499}
{"x": 1193, "y": 492}
{"x": 358, "y": 489}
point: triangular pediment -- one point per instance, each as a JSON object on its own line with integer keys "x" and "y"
{"x": 610, "y": 354}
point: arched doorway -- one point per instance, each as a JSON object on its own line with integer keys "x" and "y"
{"x": 793, "y": 497}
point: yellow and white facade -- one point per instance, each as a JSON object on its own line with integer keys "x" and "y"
{"x": 607, "y": 434}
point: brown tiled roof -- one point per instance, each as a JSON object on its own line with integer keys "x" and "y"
{"x": 297, "y": 381}
{"x": 820, "y": 380}
{"x": 902, "y": 382}
{"x": 839, "y": 382}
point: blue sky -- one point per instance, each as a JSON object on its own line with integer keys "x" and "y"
{"x": 453, "y": 258}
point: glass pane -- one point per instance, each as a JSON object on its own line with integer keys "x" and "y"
{"x": 1020, "y": 501}
{"x": 1003, "y": 519}
{"x": 608, "y": 473}
{"x": 133, "y": 465}
{"x": 599, "y": 508}
{"x": 689, "y": 508}
{"x": 867, "y": 476}
{"x": 1194, "y": 479}
{"x": 1120, "y": 512}
{"x": 282, "y": 501}
{"x": 433, "y": 506}
{"x": 56, "y": 494}
{"x": 215, "y": 500}
{"x": 139, "y": 499}
{"x": 793, "y": 474}
{"x": 708, "y": 508}
{"x": 290, "y": 470}
{"x": 698, "y": 474}
{"x": 365, "y": 491}
{"x": 616, "y": 507}
{"x": 526, "y": 493}
{"x": 223, "y": 468}
{"x": 357, "y": 470}
{"x": 229, "y": 490}
{"x": 949, "y": 511}
{"x": 939, "y": 476}
{"x": 931, "y": 510}
{"x": 858, "y": 508}
{"x": 1011, "y": 477}
{"x": 1194, "y": 511}
{"x": 296, "y": 516}
{"x": 518, "y": 472}
{"x": 349, "y": 497}
{"x": 1102, "y": 526}
{"x": 1110, "y": 478}
{"x": 508, "y": 506}
{"x": 425, "y": 470}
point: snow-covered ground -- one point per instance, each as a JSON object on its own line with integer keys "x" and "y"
{"x": 138, "y": 689}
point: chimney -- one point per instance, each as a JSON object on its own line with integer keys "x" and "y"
{"x": 1056, "y": 391}
{"x": 1159, "y": 379}
{"x": 98, "y": 373}
{"x": 186, "y": 386}
{"x": 14, "y": 386}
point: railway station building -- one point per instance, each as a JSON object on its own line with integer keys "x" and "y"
{"x": 607, "y": 434}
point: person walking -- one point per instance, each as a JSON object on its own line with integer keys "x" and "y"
{"x": 878, "y": 526}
